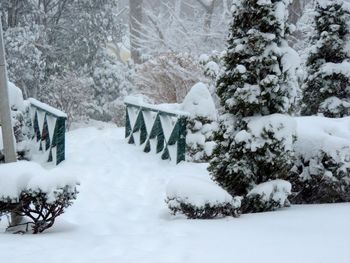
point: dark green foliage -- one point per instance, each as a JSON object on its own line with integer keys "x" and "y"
{"x": 326, "y": 89}
{"x": 321, "y": 179}
{"x": 208, "y": 211}
{"x": 256, "y": 204}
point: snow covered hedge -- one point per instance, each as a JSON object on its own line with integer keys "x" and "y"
{"x": 37, "y": 195}
{"x": 322, "y": 169}
{"x": 200, "y": 199}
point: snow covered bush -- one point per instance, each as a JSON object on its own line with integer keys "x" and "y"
{"x": 21, "y": 121}
{"x": 267, "y": 196}
{"x": 168, "y": 77}
{"x": 39, "y": 196}
{"x": 200, "y": 199}
{"x": 327, "y": 87}
{"x": 258, "y": 79}
{"x": 211, "y": 66}
{"x": 201, "y": 123}
{"x": 322, "y": 171}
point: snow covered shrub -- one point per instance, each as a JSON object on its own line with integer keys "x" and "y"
{"x": 201, "y": 123}
{"x": 267, "y": 196}
{"x": 261, "y": 151}
{"x": 168, "y": 77}
{"x": 322, "y": 171}
{"x": 321, "y": 179}
{"x": 21, "y": 121}
{"x": 36, "y": 195}
{"x": 112, "y": 82}
{"x": 327, "y": 87}
{"x": 258, "y": 79}
{"x": 42, "y": 208}
{"x": 200, "y": 199}
{"x": 69, "y": 93}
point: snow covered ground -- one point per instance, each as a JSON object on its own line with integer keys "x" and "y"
{"x": 120, "y": 216}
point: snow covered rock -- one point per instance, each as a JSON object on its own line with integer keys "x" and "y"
{"x": 198, "y": 198}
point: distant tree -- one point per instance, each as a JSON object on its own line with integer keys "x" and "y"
{"x": 327, "y": 86}
{"x": 194, "y": 27}
{"x": 168, "y": 77}
{"x": 69, "y": 93}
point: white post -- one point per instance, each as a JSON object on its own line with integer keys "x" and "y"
{"x": 5, "y": 111}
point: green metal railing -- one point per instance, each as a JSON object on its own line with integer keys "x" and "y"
{"x": 156, "y": 131}
{"x": 49, "y": 126}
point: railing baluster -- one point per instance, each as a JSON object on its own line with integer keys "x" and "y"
{"x": 161, "y": 121}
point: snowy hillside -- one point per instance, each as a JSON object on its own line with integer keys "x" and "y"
{"x": 120, "y": 216}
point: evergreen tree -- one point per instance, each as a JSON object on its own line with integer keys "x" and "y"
{"x": 258, "y": 85}
{"x": 327, "y": 87}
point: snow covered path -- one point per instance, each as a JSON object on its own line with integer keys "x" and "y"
{"x": 120, "y": 216}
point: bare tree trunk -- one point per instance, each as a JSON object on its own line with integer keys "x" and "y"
{"x": 209, "y": 10}
{"x": 295, "y": 11}
{"x": 135, "y": 24}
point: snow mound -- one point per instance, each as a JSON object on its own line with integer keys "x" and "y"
{"x": 19, "y": 176}
{"x": 199, "y": 103}
{"x": 198, "y": 192}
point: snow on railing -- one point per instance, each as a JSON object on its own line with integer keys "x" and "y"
{"x": 160, "y": 129}
{"x": 49, "y": 130}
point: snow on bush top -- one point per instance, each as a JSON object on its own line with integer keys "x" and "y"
{"x": 19, "y": 176}
{"x": 325, "y": 3}
{"x": 276, "y": 190}
{"x": 283, "y": 127}
{"x": 198, "y": 192}
{"x": 316, "y": 133}
{"x": 199, "y": 103}
{"x": 15, "y": 97}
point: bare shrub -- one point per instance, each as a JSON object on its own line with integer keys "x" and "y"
{"x": 168, "y": 77}
{"x": 69, "y": 93}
